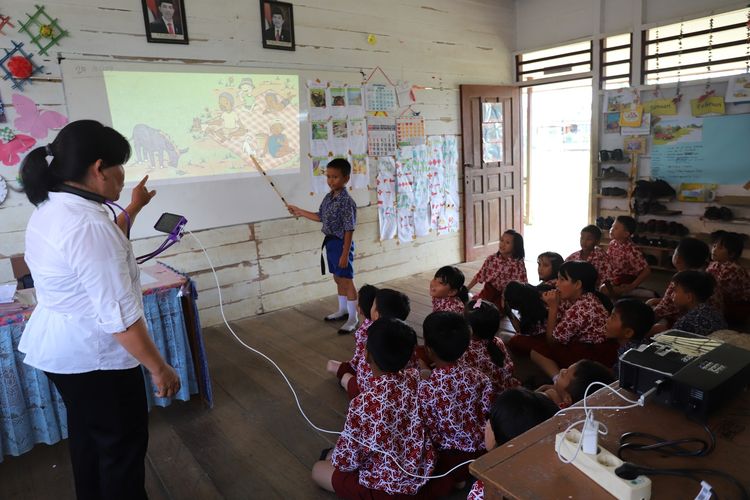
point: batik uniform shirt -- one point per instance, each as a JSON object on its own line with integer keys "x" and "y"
{"x": 498, "y": 271}
{"x": 362, "y": 368}
{"x": 732, "y": 279}
{"x": 360, "y": 341}
{"x": 477, "y": 491}
{"x": 478, "y": 357}
{"x": 338, "y": 214}
{"x": 386, "y": 417}
{"x": 583, "y": 321}
{"x": 450, "y": 304}
{"x": 599, "y": 259}
{"x": 667, "y": 309}
{"x": 454, "y": 402}
{"x": 625, "y": 260}
{"x": 702, "y": 320}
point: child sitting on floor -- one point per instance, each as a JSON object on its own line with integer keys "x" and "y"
{"x": 532, "y": 311}
{"x": 569, "y": 386}
{"x": 590, "y": 251}
{"x": 502, "y": 267}
{"x": 628, "y": 325}
{"x": 548, "y": 265}
{"x": 629, "y": 266}
{"x": 691, "y": 293}
{"x": 366, "y": 298}
{"x": 691, "y": 253}
{"x": 575, "y": 322}
{"x": 448, "y": 291}
{"x": 732, "y": 279}
{"x": 513, "y": 412}
{"x": 383, "y": 427}
{"x": 486, "y": 352}
{"x": 453, "y": 400}
{"x": 388, "y": 303}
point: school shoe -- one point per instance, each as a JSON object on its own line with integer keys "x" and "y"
{"x": 337, "y": 316}
{"x": 349, "y": 326}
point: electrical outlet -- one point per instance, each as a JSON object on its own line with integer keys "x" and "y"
{"x": 601, "y": 468}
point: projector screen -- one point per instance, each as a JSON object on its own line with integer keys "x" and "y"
{"x": 187, "y": 125}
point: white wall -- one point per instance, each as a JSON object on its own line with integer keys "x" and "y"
{"x": 274, "y": 264}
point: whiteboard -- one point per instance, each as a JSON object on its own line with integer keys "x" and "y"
{"x": 211, "y": 201}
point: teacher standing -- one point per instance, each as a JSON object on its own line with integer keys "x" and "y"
{"x": 88, "y": 332}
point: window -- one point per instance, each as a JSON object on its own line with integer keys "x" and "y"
{"x": 566, "y": 60}
{"x": 616, "y": 53}
{"x": 710, "y": 46}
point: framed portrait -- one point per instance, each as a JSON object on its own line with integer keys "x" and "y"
{"x": 165, "y": 21}
{"x": 277, "y": 25}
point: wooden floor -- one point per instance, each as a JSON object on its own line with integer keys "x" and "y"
{"x": 253, "y": 443}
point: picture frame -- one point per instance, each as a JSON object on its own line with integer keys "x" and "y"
{"x": 157, "y": 15}
{"x": 277, "y": 25}
{"x": 634, "y": 144}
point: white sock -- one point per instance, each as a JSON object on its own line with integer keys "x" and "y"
{"x": 351, "y": 323}
{"x": 342, "y": 308}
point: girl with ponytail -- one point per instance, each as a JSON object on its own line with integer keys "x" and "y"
{"x": 486, "y": 351}
{"x": 448, "y": 291}
{"x": 576, "y": 321}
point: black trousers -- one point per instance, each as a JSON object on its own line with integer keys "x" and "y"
{"x": 108, "y": 432}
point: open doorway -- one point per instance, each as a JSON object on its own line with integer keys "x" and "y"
{"x": 556, "y": 137}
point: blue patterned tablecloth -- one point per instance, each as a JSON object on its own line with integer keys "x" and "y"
{"x": 31, "y": 409}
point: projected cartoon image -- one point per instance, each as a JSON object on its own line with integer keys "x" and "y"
{"x": 185, "y": 125}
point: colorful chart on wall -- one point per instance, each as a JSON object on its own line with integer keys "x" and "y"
{"x": 711, "y": 149}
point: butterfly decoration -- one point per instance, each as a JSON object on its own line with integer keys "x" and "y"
{"x": 33, "y": 120}
{"x": 10, "y": 152}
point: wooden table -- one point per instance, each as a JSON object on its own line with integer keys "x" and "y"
{"x": 528, "y": 468}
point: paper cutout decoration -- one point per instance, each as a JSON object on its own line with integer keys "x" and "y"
{"x": 7, "y": 134}
{"x": 33, "y": 120}
{"x": 17, "y": 51}
{"x": 410, "y": 131}
{"x": 10, "y": 152}
{"x": 5, "y": 20}
{"x": 44, "y": 31}
{"x": 713, "y": 105}
{"x": 738, "y": 88}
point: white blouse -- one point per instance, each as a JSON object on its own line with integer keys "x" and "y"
{"x": 87, "y": 286}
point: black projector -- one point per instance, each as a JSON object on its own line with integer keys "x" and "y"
{"x": 692, "y": 373}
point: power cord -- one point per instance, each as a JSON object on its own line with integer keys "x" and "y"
{"x": 291, "y": 388}
{"x": 669, "y": 447}
{"x": 631, "y": 471}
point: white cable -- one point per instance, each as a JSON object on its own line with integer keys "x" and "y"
{"x": 291, "y": 388}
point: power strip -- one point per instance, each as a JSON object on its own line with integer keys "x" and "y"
{"x": 601, "y": 468}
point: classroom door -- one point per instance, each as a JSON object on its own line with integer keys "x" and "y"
{"x": 492, "y": 166}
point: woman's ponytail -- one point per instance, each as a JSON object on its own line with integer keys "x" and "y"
{"x": 36, "y": 176}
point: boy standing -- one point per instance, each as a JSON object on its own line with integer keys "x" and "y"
{"x": 383, "y": 430}
{"x": 629, "y": 267}
{"x": 338, "y": 213}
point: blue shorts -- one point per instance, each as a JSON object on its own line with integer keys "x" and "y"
{"x": 334, "y": 247}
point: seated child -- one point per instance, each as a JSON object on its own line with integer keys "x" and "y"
{"x": 628, "y": 324}
{"x": 691, "y": 253}
{"x": 388, "y": 303}
{"x": 502, "y": 267}
{"x": 453, "y": 400}
{"x": 383, "y": 419}
{"x": 366, "y": 297}
{"x": 590, "y": 251}
{"x": 448, "y": 291}
{"x": 513, "y": 412}
{"x": 575, "y": 322}
{"x": 486, "y": 352}
{"x": 532, "y": 311}
{"x": 629, "y": 266}
{"x": 548, "y": 264}
{"x": 733, "y": 280}
{"x": 570, "y": 384}
{"x": 691, "y": 293}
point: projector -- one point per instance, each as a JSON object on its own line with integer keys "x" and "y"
{"x": 692, "y": 373}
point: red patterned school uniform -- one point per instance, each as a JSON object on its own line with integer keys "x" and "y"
{"x": 496, "y": 272}
{"x": 666, "y": 308}
{"x": 626, "y": 260}
{"x": 362, "y": 380}
{"x": 350, "y": 367}
{"x": 450, "y": 304}
{"x": 477, "y": 491}
{"x": 732, "y": 279}
{"x": 387, "y": 418}
{"x": 478, "y": 357}
{"x": 599, "y": 259}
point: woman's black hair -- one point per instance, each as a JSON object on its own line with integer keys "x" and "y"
{"x": 484, "y": 321}
{"x": 365, "y": 298}
{"x": 586, "y": 273}
{"x": 555, "y": 259}
{"x": 76, "y": 147}
{"x": 527, "y": 300}
{"x": 454, "y": 278}
{"x": 518, "y": 251}
{"x": 733, "y": 242}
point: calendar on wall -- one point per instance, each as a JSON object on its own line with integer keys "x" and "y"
{"x": 410, "y": 131}
{"x": 381, "y": 136}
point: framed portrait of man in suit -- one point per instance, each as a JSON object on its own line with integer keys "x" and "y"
{"x": 277, "y": 25}
{"x": 165, "y": 21}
